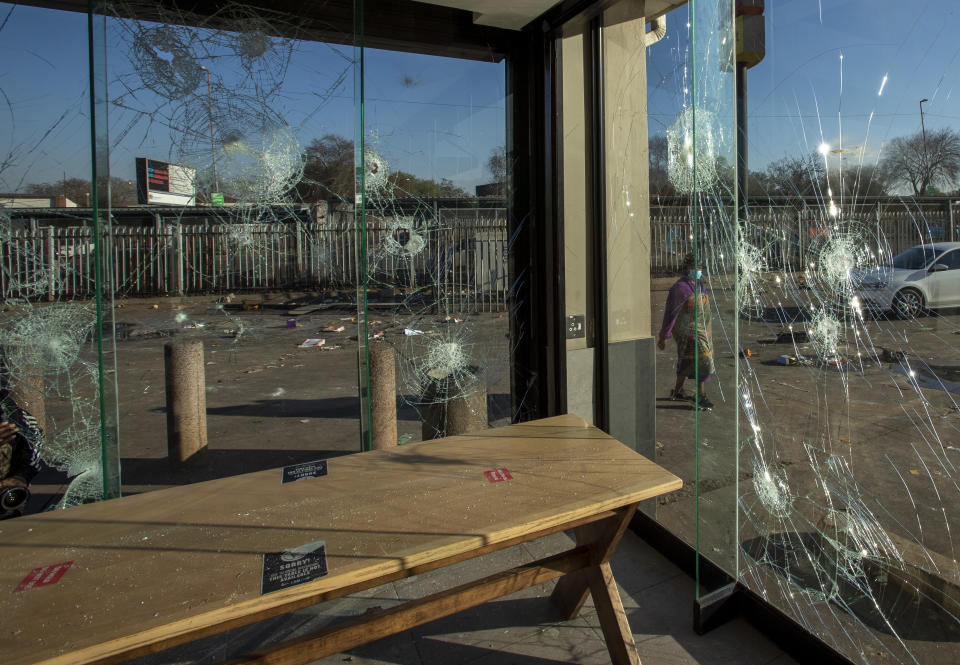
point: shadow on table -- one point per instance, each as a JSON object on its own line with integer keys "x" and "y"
{"x": 213, "y": 464}
{"x": 418, "y": 646}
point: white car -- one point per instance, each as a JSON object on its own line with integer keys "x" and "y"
{"x": 923, "y": 277}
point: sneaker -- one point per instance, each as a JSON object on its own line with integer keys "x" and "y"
{"x": 704, "y": 403}
{"x": 681, "y": 395}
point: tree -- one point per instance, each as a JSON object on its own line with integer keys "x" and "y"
{"x": 497, "y": 164}
{"x": 660, "y": 184}
{"x": 403, "y": 184}
{"x": 860, "y": 180}
{"x": 921, "y": 164}
{"x": 328, "y": 170}
{"x": 75, "y": 189}
{"x": 795, "y": 176}
{"x": 122, "y": 192}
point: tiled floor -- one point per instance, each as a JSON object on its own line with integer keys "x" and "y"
{"x": 521, "y": 629}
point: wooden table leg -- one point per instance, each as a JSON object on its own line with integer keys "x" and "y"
{"x": 613, "y": 619}
{"x": 572, "y": 589}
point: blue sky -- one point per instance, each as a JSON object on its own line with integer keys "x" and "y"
{"x": 435, "y": 117}
{"x": 439, "y": 117}
{"x": 804, "y": 93}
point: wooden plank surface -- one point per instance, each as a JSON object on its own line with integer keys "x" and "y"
{"x": 150, "y": 567}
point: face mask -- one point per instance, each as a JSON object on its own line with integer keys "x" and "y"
{"x": 695, "y": 274}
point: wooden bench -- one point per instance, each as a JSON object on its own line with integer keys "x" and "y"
{"x": 107, "y": 582}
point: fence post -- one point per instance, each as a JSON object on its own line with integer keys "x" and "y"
{"x": 180, "y": 271}
{"x": 299, "y": 240}
{"x": 950, "y": 217}
{"x": 51, "y": 265}
{"x": 876, "y": 213}
{"x": 802, "y": 236}
{"x": 174, "y": 259}
{"x": 168, "y": 241}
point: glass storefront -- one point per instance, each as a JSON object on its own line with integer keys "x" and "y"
{"x": 820, "y": 469}
{"x": 273, "y": 219}
{"x": 828, "y": 291}
{"x": 848, "y": 455}
{"x": 275, "y": 206}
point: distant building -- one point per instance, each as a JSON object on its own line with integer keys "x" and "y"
{"x": 491, "y": 189}
{"x": 34, "y": 201}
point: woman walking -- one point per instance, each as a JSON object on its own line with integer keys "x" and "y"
{"x": 688, "y": 320}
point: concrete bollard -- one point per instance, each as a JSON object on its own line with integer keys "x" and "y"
{"x": 449, "y": 408}
{"x": 468, "y": 412}
{"x": 186, "y": 400}
{"x": 383, "y": 397}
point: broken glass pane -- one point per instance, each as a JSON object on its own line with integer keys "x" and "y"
{"x": 847, "y": 323}
{"x": 48, "y": 325}
{"x": 435, "y": 176}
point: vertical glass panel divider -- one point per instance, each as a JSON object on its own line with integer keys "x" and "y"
{"x": 360, "y": 224}
{"x": 103, "y": 274}
{"x": 709, "y": 144}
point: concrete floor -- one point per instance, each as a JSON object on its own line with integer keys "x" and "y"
{"x": 521, "y": 629}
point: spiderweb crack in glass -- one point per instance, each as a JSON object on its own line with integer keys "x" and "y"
{"x": 46, "y": 340}
{"x": 752, "y": 265}
{"x": 403, "y": 239}
{"x": 772, "y": 489}
{"x": 847, "y": 458}
{"x": 692, "y": 152}
{"x": 163, "y": 59}
{"x": 256, "y": 157}
{"x": 376, "y": 174}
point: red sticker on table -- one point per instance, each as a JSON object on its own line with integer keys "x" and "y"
{"x": 497, "y": 475}
{"x": 44, "y": 576}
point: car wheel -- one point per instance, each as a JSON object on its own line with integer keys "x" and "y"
{"x": 908, "y": 304}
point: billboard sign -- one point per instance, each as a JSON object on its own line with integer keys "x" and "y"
{"x": 162, "y": 183}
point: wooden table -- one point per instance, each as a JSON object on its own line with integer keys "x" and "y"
{"x": 155, "y": 570}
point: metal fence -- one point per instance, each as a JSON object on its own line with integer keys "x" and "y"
{"x": 457, "y": 256}
{"x": 785, "y": 235}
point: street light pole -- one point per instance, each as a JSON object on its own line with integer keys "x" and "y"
{"x": 923, "y": 129}
{"x": 213, "y": 154}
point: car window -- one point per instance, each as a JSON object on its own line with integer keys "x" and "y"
{"x": 950, "y": 259}
{"x": 914, "y": 258}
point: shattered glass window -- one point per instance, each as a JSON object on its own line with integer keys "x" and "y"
{"x": 437, "y": 289}
{"x": 235, "y": 255}
{"x": 269, "y": 221}
{"x": 825, "y": 470}
{"x": 854, "y": 146}
{"x": 51, "y": 368}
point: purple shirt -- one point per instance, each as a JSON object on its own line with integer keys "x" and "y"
{"x": 679, "y": 292}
